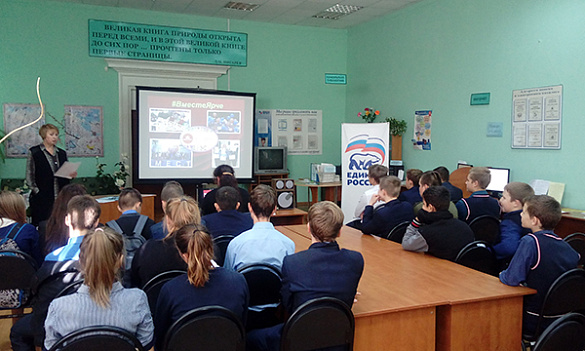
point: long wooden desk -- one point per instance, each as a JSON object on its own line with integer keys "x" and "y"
{"x": 110, "y": 207}
{"x": 412, "y": 301}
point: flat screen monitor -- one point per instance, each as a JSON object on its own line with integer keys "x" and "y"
{"x": 184, "y": 134}
{"x": 500, "y": 177}
{"x": 270, "y": 160}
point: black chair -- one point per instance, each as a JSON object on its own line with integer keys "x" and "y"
{"x": 153, "y": 286}
{"x": 577, "y": 242}
{"x": 480, "y": 256}
{"x": 566, "y": 333}
{"x": 212, "y": 328}
{"x": 319, "y": 323}
{"x": 98, "y": 338}
{"x": 71, "y": 288}
{"x": 17, "y": 270}
{"x": 486, "y": 228}
{"x": 220, "y": 244}
{"x": 264, "y": 283}
{"x": 565, "y": 295}
{"x": 397, "y": 233}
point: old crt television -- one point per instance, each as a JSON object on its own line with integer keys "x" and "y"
{"x": 270, "y": 160}
{"x": 500, "y": 178}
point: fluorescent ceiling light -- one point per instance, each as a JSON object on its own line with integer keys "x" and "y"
{"x": 241, "y": 6}
{"x": 337, "y": 11}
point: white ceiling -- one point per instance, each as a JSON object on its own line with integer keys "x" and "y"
{"x": 296, "y": 12}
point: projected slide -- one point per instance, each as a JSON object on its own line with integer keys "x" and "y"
{"x": 185, "y": 134}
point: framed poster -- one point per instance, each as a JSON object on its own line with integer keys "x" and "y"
{"x": 84, "y": 131}
{"x": 16, "y": 115}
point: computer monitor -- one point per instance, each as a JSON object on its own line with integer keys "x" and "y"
{"x": 500, "y": 177}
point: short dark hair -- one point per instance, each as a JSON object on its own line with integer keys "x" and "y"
{"x": 84, "y": 211}
{"x": 430, "y": 178}
{"x": 170, "y": 190}
{"x": 129, "y": 197}
{"x": 545, "y": 208}
{"x": 227, "y": 198}
{"x": 263, "y": 200}
{"x": 377, "y": 171}
{"x": 438, "y": 196}
{"x": 443, "y": 172}
{"x": 519, "y": 191}
{"x": 414, "y": 175}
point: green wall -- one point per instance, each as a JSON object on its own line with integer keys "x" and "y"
{"x": 286, "y": 68}
{"x": 435, "y": 54}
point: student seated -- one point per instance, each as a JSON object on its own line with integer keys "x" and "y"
{"x": 541, "y": 257}
{"x": 381, "y": 220}
{"x": 223, "y": 175}
{"x": 83, "y": 214}
{"x": 203, "y": 285}
{"x": 428, "y": 179}
{"x": 411, "y": 194}
{"x": 262, "y": 243}
{"x": 479, "y": 203}
{"x": 456, "y": 193}
{"x": 227, "y": 220}
{"x": 170, "y": 190}
{"x": 158, "y": 256}
{"x": 101, "y": 300}
{"x": 511, "y": 229}
{"x": 434, "y": 230}
{"x": 323, "y": 270}
{"x": 15, "y": 233}
{"x": 375, "y": 172}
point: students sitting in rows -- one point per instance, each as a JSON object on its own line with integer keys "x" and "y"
{"x": 455, "y": 192}
{"x": 375, "y": 173}
{"x": 15, "y": 233}
{"x": 411, "y": 194}
{"x": 541, "y": 257}
{"x": 479, "y": 203}
{"x": 511, "y": 229}
{"x": 381, "y": 220}
{"x": 429, "y": 179}
{"x": 434, "y": 230}
{"x": 101, "y": 300}
{"x": 170, "y": 190}
{"x": 203, "y": 285}
{"x": 83, "y": 214}
{"x": 227, "y": 220}
{"x": 158, "y": 256}
{"x": 224, "y": 175}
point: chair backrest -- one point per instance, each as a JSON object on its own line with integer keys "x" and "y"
{"x": 16, "y": 270}
{"x": 220, "y": 244}
{"x": 480, "y": 256}
{"x": 305, "y": 330}
{"x": 566, "y": 333}
{"x": 71, "y": 288}
{"x": 486, "y": 228}
{"x": 566, "y": 294}
{"x": 98, "y": 338}
{"x": 397, "y": 233}
{"x": 577, "y": 242}
{"x": 153, "y": 286}
{"x": 264, "y": 283}
{"x": 212, "y": 328}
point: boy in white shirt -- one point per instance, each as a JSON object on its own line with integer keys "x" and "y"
{"x": 375, "y": 172}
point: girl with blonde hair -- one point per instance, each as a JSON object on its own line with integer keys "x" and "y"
{"x": 13, "y": 224}
{"x": 202, "y": 285}
{"x": 101, "y": 300}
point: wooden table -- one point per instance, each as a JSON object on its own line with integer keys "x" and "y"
{"x": 110, "y": 208}
{"x": 413, "y": 301}
{"x": 572, "y": 221}
{"x": 289, "y": 217}
{"x": 331, "y": 191}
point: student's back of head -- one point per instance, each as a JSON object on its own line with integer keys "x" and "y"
{"x": 263, "y": 201}
{"x": 83, "y": 212}
{"x": 182, "y": 211}
{"x": 56, "y": 234}
{"x": 101, "y": 258}
{"x": 481, "y": 175}
{"x": 377, "y": 171}
{"x": 171, "y": 190}
{"x": 194, "y": 241}
{"x": 443, "y": 173}
{"x": 545, "y": 208}
{"x": 390, "y": 184}
{"x": 438, "y": 196}
{"x": 519, "y": 191}
{"x": 325, "y": 221}
{"x": 413, "y": 175}
{"x": 12, "y": 206}
{"x": 225, "y": 176}
{"x": 227, "y": 198}
{"x": 128, "y": 198}
{"x": 430, "y": 178}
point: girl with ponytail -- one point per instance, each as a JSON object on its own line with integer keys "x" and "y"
{"x": 101, "y": 300}
{"x": 204, "y": 284}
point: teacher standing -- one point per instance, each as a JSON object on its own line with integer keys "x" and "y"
{"x": 42, "y": 162}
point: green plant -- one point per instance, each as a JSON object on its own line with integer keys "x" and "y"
{"x": 397, "y": 127}
{"x": 369, "y": 114}
{"x": 110, "y": 183}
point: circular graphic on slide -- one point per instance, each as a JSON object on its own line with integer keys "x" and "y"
{"x": 198, "y": 139}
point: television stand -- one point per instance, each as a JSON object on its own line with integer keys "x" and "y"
{"x": 265, "y": 179}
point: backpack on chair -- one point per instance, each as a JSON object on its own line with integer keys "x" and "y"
{"x": 12, "y": 298}
{"x": 133, "y": 240}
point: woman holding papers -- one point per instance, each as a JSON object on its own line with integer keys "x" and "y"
{"x": 42, "y": 162}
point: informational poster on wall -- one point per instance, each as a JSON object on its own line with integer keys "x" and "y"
{"x": 422, "y": 130}
{"x": 299, "y": 130}
{"x": 536, "y": 118}
{"x": 263, "y": 134}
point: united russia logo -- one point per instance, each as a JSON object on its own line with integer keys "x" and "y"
{"x": 365, "y": 151}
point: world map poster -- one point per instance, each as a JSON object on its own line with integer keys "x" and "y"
{"x": 84, "y": 131}
{"x": 17, "y": 115}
